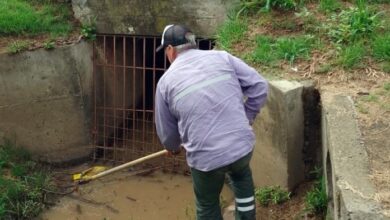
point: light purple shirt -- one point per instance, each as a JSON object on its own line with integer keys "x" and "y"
{"x": 200, "y": 105}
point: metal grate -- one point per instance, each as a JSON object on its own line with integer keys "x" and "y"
{"x": 126, "y": 72}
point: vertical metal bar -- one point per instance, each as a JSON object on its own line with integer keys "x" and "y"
{"x": 95, "y": 130}
{"x": 154, "y": 92}
{"x": 143, "y": 90}
{"x": 124, "y": 127}
{"x": 115, "y": 104}
{"x": 104, "y": 98}
{"x": 134, "y": 90}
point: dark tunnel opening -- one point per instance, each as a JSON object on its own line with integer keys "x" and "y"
{"x": 126, "y": 72}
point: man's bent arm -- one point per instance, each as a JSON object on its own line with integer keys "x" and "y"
{"x": 253, "y": 85}
{"x": 166, "y": 124}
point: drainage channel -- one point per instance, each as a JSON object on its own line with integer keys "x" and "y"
{"x": 126, "y": 72}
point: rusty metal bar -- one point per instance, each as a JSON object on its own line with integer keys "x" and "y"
{"x": 104, "y": 96}
{"x": 126, "y": 131}
{"x": 115, "y": 127}
{"x": 154, "y": 92}
{"x": 134, "y": 106}
{"x": 144, "y": 90}
{"x": 94, "y": 77}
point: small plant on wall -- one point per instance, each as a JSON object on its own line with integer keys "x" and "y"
{"x": 18, "y": 46}
{"x": 88, "y": 29}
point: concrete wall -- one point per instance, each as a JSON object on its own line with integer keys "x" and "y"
{"x": 278, "y": 158}
{"x": 149, "y": 17}
{"x": 44, "y": 101}
{"x": 345, "y": 161}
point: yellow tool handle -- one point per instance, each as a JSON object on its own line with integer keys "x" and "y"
{"x": 128, "y": 164}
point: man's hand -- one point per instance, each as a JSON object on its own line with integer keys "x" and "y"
{"x": 173, "y": 153}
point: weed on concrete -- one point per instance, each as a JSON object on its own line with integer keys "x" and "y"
{"x": 18, "y": 46}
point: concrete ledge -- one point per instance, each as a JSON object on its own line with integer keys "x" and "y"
{"x": 277, "y": 157}
{"x": 345, "y": 162}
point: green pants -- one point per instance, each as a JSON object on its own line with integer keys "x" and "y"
{"x": 208, "y": 186}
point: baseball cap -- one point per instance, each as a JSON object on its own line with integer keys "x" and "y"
{"x": 174, "y": 35}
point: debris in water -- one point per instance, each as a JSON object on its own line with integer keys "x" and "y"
{"x": 112, "y": 209}
{"x": 130, "y": 198}
{"x": 78, "y": 209}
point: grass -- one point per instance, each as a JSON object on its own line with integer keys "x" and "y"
{"x": 290, "y": 49}
{"x": 18, "y": 46}
{"x": 381, "y": 47}
{"x": 329, "y": 5}
{"x": 48, "y": 45}
{"x": 353, "y": 24}
{"x": 230, "y": 32}
{"x": 316, "y": 200}
{"x": 272, "y": 194}
{"x": 252, "y": 6}
{"x": 23, "y": 17}
{"x": 21, "y": 184}
{"x": 361, "y": 108}
{"x": 369, "y": 98}
{"x": 352, "y": 55}
{"x": 386, "y": 86}
{"x": 88, "y": 31}
{"x": 285, "y": 25}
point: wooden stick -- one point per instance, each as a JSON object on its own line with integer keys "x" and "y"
{"x": 120, "y": 167}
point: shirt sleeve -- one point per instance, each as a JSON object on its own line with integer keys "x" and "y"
{"x": 253, "y": 85}
{"x": 166, "y": 124}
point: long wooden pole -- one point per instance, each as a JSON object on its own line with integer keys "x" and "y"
{"x": 128, "y": 164}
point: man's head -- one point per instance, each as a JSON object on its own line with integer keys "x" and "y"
{"x": 175, "y": 39}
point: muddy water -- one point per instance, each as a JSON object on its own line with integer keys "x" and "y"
{"x": 120, "y": 196}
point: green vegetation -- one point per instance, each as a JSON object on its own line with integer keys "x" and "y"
{"x": 272, "y": 194}
{"x": 88, "y": 31}
{"x": 232, "y": 31}
{"x": 369, "y": 98}
{"x": 21, "y": 184}
{"x": 332, "y": 36}
{"x": 23, "y": 17}
{"x": 352, "y": 55}
{"x": 386, "y": 86}
{"x": 329, "y": 5}
{"x": 381, "y": 47}
{"x": 316, "y": 199}
{"x": 353, "y": 24}
{"x": 18, "y": 46}
{"x": 252, "y": 6}
{"x": 290, "y": 49}
{"x": 48, "y": 45}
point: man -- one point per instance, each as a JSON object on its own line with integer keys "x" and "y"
{"x": 200, "y": 105}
